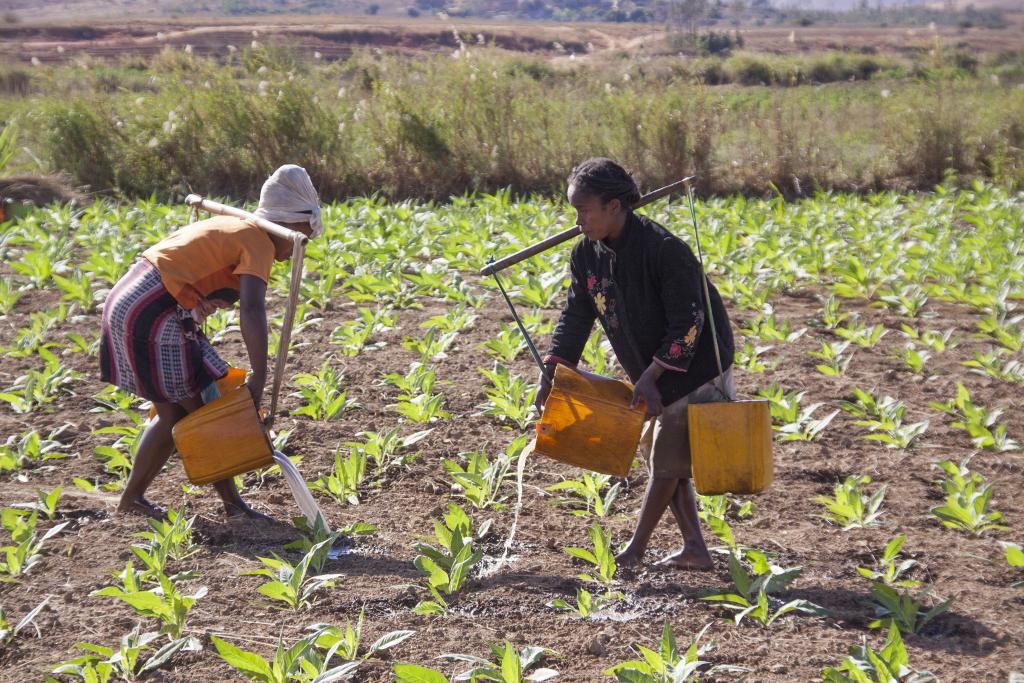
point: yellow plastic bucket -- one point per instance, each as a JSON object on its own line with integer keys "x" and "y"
{"x": 223, "y": 438}
{"x": 587, "y": 422}
{"x": 731, "y": 446}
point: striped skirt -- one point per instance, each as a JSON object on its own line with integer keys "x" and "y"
{"x": 151, "y": 346}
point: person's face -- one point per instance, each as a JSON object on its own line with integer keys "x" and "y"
{"x": 283, "y": 248}
{"x": 596, "y": 219}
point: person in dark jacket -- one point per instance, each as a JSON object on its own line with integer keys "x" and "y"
{"x": 644, "y": 285}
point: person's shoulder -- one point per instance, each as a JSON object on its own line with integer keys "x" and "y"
{"x": 655, "y": 234}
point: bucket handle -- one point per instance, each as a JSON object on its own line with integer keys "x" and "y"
{"x": 707, "y": 296}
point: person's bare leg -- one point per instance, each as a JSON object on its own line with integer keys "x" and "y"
{"x": 694, "y": 553}
{"x": 155, "y": 447}
{"x": 656, "y": 499}
{"x": 234, "y": 506}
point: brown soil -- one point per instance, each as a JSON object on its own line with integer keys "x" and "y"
{"x": 981, "y": 638}
{"x": 59, "y": 38}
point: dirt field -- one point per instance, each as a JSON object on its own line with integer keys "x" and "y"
{"x": 337, "y": 37}
{"x": 981, "y": 638}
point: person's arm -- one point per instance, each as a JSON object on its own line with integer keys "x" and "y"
{"x": 570, "y": 334}
{"x": 253, "y": 320}
{"x": 682, "y": 299}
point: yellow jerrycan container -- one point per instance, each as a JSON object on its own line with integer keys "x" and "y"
{"x": 223, "y": 438}
{"x": 731, "y": 446}
{"x": 587, "y": 422}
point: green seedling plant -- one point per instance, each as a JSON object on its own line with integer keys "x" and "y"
{"x": 586, "y": 604}
{"x": 890, "y": 569}
{"x": 388, "y": 449}
{"x": 903, "y": 610}
{"x": 784, "y": 406}
{"x": 836, "y": 362}
{"x": 173, "y": 532}
{"x": 862, "y": 335}
{"x": 884, "y": 419}
{"x": 45, "y": 503}
{"x": 10, "y": 295}
{"x": 509, "y": 397}
{"x": 1006, "y": 331}
{"x": 908, "y": 300}
{"x": 219, "y": 324}
{"x": 422, "y": 409}
{"x": 353, "y": 335}
{"x": 38, "y": 267}
{"x": 806, "y": 427}
{"x": 125, "y": 661}
{"x": 79, "y": 344}
{"x": 30, "y": 449}
{"x": 589, "y": 494}
{"x": 9, "y": 631}
{"x": 26, "y": 547}
{"x": 968, "y": 500}
{"x": 293, "y": 584}
{"x": 995, "y": 363}
{"x": 888, "y": 665}
{"x": 40, "y": 387}
{"x": 831, "y": 315}
{"x": 540, "y": 292}
{"x": 319, "y": 537}
{"x": 766, "y": 328}
{"x": 78, "y": 289}
{"x": 433, "y": 346}
{"x": 978, "y": 421}
{"x": 418, "y": 380}
{"x": 321, "y": 391}
{"x": 507, "y": 346}
{"x": 749, "y": 357}
{"x": 447, "y": 558}
{"x": 597, "y": 354}
{"x": 345, "y": 643}
{"x": 165, "y": 602}
{"x": 601, "y": 558}
{"x": 456, "y": 319}
{"x": 850, "y": 506}
{"x": 507, "y": 665}
{"x": 479, "y": 479}
{"x": 913, "y": 358}
{"x": 342, "y": 483}
{"x": 1015, "y": 558}
{"x": 749, "y": 594}
{"x": 300, "y": 662}
{"x": 665, "y": 663}
{"x": 38, "y": 334}
{"x": 933, "y": 339}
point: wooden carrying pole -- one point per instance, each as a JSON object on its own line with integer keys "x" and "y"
{"x": 298, "y": 252}
{"x": 555, "y": 240}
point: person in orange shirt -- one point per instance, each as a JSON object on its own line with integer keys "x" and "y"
{"x": 151, "y": 343}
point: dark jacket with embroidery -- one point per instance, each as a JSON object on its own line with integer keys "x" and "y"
{"x": 648, "y": 296}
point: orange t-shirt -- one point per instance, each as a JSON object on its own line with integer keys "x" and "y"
{"x": 205, "y": 259}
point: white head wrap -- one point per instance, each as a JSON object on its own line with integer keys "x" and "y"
{"x": 288, "y": 196}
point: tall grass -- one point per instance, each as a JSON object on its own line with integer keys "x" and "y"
{"x": 438, "y": 126}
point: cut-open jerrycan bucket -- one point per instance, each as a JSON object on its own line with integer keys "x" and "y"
{"x": 223, "y": 438}
{"x": 731, "y": 446}
{"x": 587, "y": 422}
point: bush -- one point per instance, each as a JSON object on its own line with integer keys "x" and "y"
{"x": 748, "y": 70}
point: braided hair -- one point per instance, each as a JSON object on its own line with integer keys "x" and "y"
{"x": 607, "y": 180}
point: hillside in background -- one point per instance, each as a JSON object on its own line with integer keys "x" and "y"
{"x": 705, "y": 12}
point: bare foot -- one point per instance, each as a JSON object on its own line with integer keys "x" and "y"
{"x": 628, "y": 558}
{"x": 140, "y": 506}
{"x": 239, "y": 510}
{"x": 688, "y": 559}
